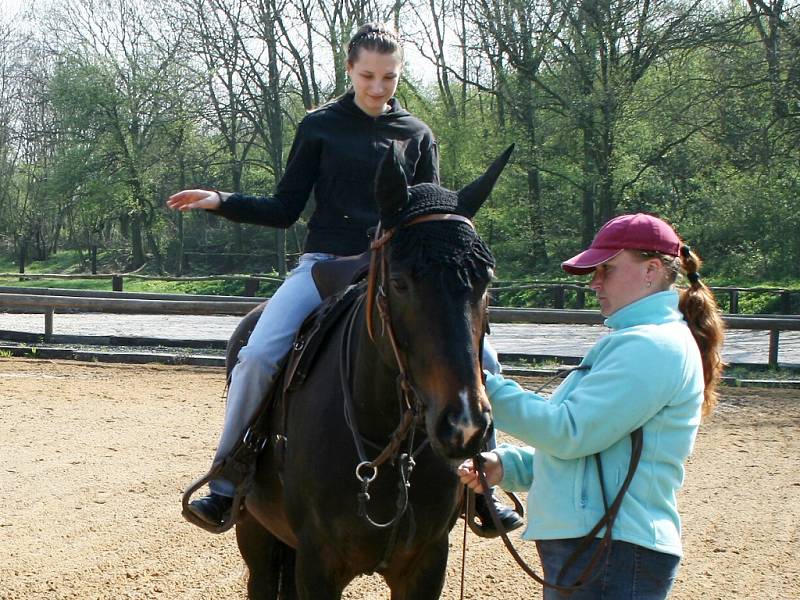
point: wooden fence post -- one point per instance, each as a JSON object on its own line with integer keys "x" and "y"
{"x": 48, "y": 323}
{"x": 581, "y": 298}
{"x": 251, "y": 287}
{"x": 558, "y": 297}
{"x": 116, "y": 283}
{"x": 774, "y": 336}
{"x": 734, "y": 302}
{"x": 786, "y": 302}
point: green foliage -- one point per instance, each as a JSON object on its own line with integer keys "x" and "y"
{"x": 687, "y": 126}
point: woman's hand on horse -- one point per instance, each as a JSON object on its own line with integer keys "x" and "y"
{"x": 492, "y": 468}
{"x": 191, "y": 199}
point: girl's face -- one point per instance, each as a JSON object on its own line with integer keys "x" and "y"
{"x": 374, "y": 77}
{"x": 625, "y": 279}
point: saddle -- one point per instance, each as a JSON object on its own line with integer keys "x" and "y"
{"x": 337, "y": 283}
{"x": 312, "y": 335}
{"x": 332, "y": 276}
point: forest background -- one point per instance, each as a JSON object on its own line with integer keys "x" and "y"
{"x": 688, "y": 109}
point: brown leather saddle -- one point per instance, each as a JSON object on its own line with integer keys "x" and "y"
{"x": 335, "y": 280}
{"x": 332, "y": 276}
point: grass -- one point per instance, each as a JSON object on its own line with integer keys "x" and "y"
{"x": 765, "y": 372}
{"x": 69, "y": 262}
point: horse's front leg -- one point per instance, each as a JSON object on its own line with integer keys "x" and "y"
{"x": 317, "y": 577}
{"x": 423, "y": 577}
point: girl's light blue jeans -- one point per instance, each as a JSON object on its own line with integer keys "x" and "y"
{"x": 269, "y": 342}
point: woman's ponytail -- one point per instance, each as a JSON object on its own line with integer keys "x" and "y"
{"x": 700, "y": 309}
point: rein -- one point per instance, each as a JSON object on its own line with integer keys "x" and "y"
{"x": 607, "y": 521}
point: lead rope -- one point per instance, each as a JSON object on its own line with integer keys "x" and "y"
{"x": 465, "y": 501}
{"x": 607, "y": 520}
{"x": 468, "y": 500}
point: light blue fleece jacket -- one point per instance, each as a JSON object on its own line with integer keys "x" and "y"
{"x": 646, "y": 372}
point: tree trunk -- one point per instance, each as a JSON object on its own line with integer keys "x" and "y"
{"x": 536, "y": 216}
{"x": 605, "y": 156}
{"x": 23, "y": 251}
{"x": 137, "y": 246}
{"x": 588, "y": 189}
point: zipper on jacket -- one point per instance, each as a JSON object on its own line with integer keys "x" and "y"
{"x": 583, "y": 499}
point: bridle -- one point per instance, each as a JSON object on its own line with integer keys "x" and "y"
{"x": 377, "y": 278}
{"x": 367, "y": 470}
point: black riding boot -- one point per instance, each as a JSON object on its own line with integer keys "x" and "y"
{"x": 212, "y": 509}
{"x": 509, "y": 518}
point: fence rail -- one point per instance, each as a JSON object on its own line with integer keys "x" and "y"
{"x": 558, "y": 290}
{"x": 251, "y": 282}
{"x": 180, "y": 304}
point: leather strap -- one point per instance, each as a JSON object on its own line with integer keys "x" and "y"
{"x": 607, "y": 521}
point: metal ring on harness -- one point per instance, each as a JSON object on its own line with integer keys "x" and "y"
{"x": 364, "y": 479}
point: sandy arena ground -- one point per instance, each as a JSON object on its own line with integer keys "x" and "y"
{"x": 95, "y": 457}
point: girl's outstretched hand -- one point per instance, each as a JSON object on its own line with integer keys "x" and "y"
{"x": 492, "y": 468}
{"x": 192, "y": 199}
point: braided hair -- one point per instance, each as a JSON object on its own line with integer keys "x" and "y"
{"x": 702, "y": 314}
{"x": 377, "y": 37}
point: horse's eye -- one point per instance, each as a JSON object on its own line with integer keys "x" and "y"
{"x": 399, "y": 284}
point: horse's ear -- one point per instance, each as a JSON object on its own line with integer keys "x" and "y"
{"x": 391, "y": 189}
{"x": 473, "y": 195}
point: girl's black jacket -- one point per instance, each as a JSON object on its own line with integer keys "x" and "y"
{"x": 336, "y": 151}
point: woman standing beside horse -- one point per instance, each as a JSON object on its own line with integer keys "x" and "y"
{"x": 657, "y": 370}
{"x": 336, "y": 152}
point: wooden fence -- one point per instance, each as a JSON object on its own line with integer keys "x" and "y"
{"x": 251, "y": 282}
{"x": 50, "y": 301}
{"x": 560, "y": 293}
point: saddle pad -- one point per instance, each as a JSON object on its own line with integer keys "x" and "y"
{"x": 313, "y": 333}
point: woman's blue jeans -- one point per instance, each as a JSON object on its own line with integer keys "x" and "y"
{"x": 629, "y": 571}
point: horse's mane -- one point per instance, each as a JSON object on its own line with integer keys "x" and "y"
{"x": 451, "y": 250}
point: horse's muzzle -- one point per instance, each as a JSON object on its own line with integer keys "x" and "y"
{"x": 461, "y": 431}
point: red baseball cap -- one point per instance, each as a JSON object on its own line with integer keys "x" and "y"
{"x": 626, "y": 232}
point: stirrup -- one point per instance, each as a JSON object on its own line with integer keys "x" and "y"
{"x": 238, "y": 501}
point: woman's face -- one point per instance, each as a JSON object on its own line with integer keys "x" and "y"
{"x": 374, "y": 77}
{"x": 625, "y": 279}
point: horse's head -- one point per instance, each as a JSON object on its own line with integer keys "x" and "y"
{"x": 435, "y": 272}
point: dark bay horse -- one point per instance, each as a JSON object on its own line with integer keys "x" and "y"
{"x": 399, "y": 377}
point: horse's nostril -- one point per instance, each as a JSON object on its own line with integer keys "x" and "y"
{"x": 461, "y": 432}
